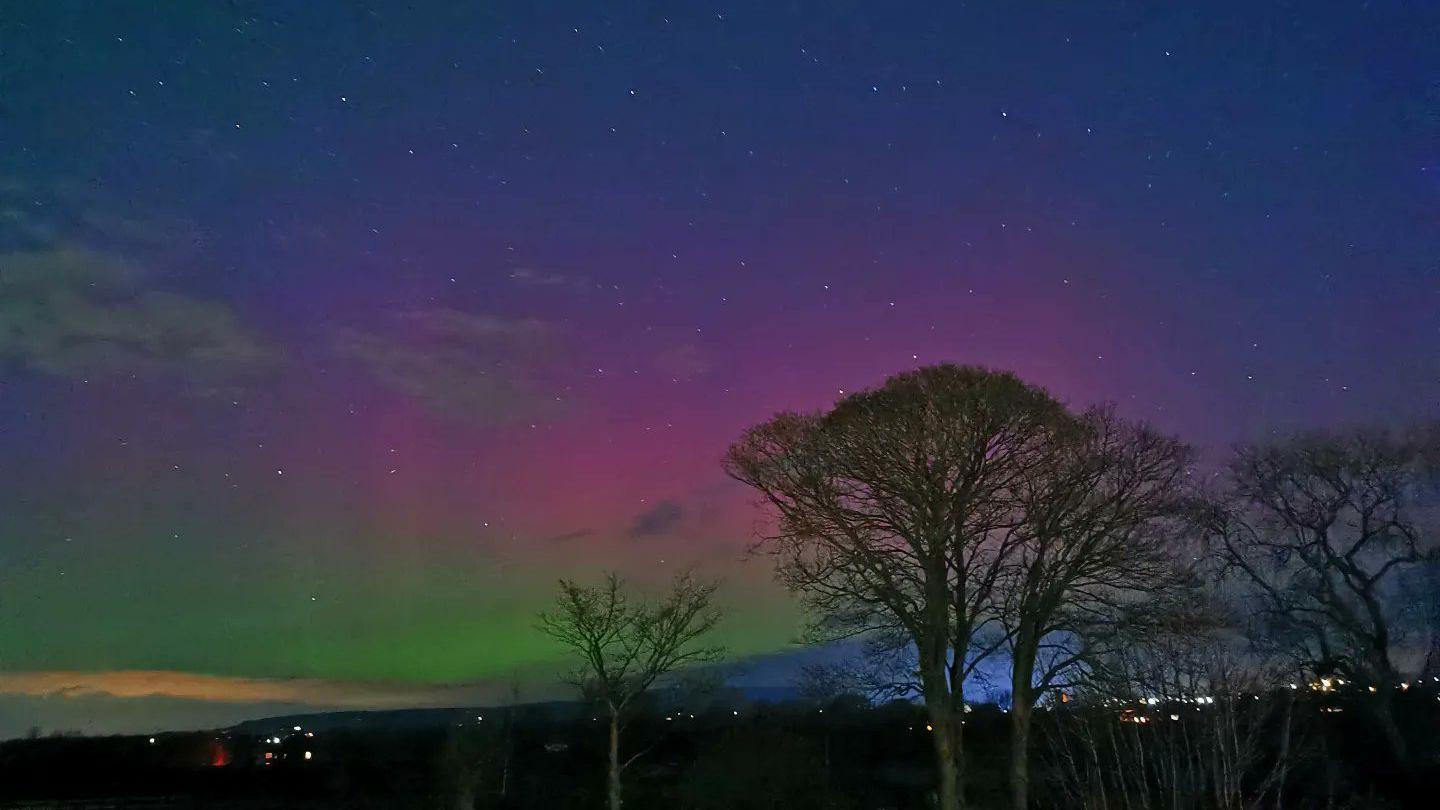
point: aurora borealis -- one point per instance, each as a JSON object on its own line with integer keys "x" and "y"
{"x": 332, "y": 333}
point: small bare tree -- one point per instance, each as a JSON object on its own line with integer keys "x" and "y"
{"x": 1182, "y": 716}
{"x": 1320, "y": 526}
{"x": 626, "y": 643}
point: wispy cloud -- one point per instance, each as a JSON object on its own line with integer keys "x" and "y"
{"x": 313, "y": 692}
{"x": 530, "y": 277}
{"x": 68, "y": 311}
{"x": 663, "y": 517}
{"x": 569, "y": 537}
{"x": 83, "y": 291}
{"x": 682, "y": 361}
{"x": 476, "y": 368}
{"x": 138, "y": 701}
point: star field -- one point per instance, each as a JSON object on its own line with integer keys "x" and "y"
{"x": 332, "y": 333}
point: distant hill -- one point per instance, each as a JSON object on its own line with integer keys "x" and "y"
{"x": 395, "y": 719}
{"x": 414, "y": 719}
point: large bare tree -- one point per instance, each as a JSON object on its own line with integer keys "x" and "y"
{"x": 1321, "y": 526}
{"x": 626, "y": 643}
{"x": 895, "y": 519}
{"x": 1099, "y": 523}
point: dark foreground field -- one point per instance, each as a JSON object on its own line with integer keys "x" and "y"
{"x": 843, "y": 754}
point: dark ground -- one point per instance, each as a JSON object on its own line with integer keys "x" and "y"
{"x": 747, "y": 756}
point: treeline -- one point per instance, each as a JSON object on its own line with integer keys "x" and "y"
{"x": 719, "y": 752}
{"x": 957, "y": 514}
{"x": 1166, "y": 611}
{"x": 724, "y": 753}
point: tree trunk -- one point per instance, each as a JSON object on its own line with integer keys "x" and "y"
{"x": 939, "y": 707}
{"x": 1390, "y": 729}
{"x": 939, "y": 692}
{"x": 943, "y": 738}
{"x": 957, "y": 752}
{"x": 1022, "y": 702}
{"x": 1284, "y": 763}
{"x": 1020, "y": 755}
{"x": 613, "y": 782}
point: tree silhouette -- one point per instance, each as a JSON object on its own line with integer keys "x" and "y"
{"x": 1321, "y": 526}
{"x": 1099, "y": 521}
{"x": 625, "y": 644}
{"x": 896, "y": 520}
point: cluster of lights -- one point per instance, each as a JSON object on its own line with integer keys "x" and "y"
{"x": 1202, "y": 700}
{"x": 271, "y": 758}
{"x": 1324, "y": 685}
{"x": 1330, "y": 684}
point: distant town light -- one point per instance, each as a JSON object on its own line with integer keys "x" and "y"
{"x": 308, "y": 755}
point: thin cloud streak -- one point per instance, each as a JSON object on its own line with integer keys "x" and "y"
{"x": 311, "y": 692}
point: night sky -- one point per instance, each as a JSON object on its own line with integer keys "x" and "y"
{"x": 331, "y": 333}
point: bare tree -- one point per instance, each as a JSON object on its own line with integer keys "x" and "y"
{"x": 1181, "y": 716}
{"x": 1099, "y": 523}
{"x": 895, "y": 520}
{"x": 625, "y": 644}
{"x": 1321, "y": 526}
